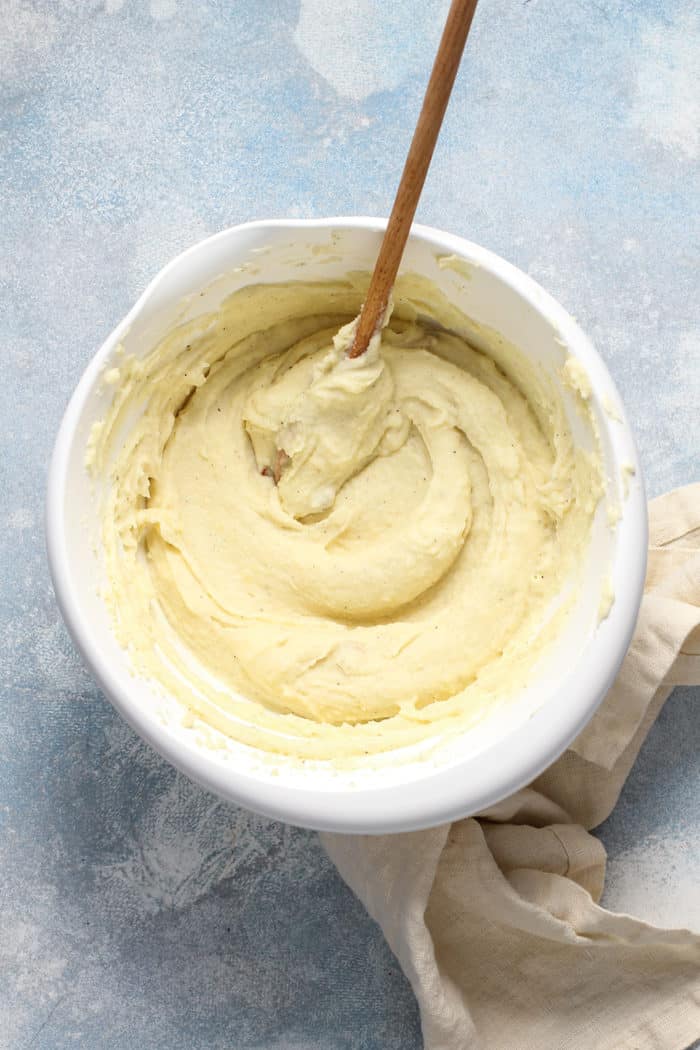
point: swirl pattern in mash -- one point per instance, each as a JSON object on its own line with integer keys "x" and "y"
{"x": 398, "y": 579}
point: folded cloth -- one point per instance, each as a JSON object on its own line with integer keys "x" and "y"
{"x": 495, "y": 919}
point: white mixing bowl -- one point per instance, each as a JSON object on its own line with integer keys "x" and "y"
{"x": 495, "y": 757}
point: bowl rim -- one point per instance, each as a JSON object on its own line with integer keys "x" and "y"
{"x": 491, "y": 775}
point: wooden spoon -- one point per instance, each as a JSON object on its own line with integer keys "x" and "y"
{"x": 437, "y": 96}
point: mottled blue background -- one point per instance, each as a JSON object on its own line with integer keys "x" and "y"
{"x": 131, "y": 128}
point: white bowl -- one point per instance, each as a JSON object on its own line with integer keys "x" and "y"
{"x": 491, "y": 760}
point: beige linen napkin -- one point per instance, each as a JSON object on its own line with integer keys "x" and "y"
{"x": 495, "y": 919}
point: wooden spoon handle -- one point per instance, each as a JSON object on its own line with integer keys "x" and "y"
{"x": 437, "y": 96}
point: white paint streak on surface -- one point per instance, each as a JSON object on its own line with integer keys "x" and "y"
{"x": 20, "y": 518}
{"x": 32, "y": 34}
{"x": 666, "y": 99}
{"x": 682, "y": 363}
{"x": 348, "y": 43}
{"x": 686, "y": 373}
{"x": 163, "y": 9}
{"x": 184, "y": 845}
{"x": 178, "y": 853}
{"x": 656, "y": 881}
{"x": 162, "y": 230}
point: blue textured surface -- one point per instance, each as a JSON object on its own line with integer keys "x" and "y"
{"x": 131, "y": 128}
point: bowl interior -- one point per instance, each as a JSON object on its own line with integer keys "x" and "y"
{"x": 497, "y": 755}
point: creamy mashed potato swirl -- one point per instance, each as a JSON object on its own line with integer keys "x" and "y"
{"x": 399, "y": 579}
